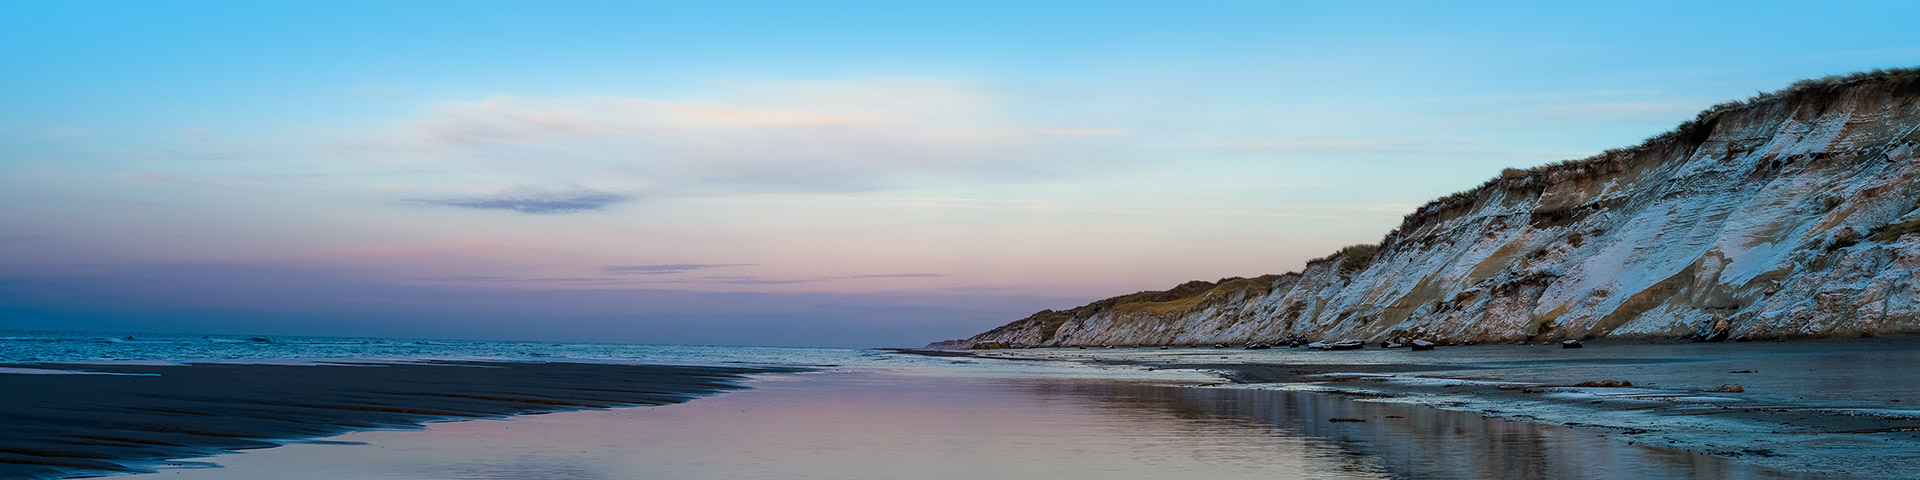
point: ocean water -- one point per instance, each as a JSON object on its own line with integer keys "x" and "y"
{"x": 93, "y": 347}
{"x": 47, "y": 347}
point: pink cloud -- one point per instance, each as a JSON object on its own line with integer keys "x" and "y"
{"x": 746, "y": 137}
{"x": 457, "y": 247}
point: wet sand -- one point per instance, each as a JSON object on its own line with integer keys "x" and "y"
{"x": 125, "y": 418}
{"x": 868, "y": 425}
{"x": 1848, "y": 406}
{"x": 1807, "y": 410}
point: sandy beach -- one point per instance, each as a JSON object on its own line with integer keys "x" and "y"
{"x": 1611, "y": 410}
{"x": 125, "y": 418}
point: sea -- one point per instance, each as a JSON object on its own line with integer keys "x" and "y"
{"x": 81, "y": 348}
{"x": 93, "y": 347}
{"x": 876, "y": 413}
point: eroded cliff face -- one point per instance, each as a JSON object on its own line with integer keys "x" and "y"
{"x": 1796, "y": 214}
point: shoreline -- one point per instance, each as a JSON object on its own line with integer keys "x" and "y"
{"x": 115, "y": 419}
{"x": 884, "y": 424}
{"x": 1813, "y": 407}
{"x": 127, "y": 418}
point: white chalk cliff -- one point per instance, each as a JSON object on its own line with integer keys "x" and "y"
{"x": 1794, "y": 214}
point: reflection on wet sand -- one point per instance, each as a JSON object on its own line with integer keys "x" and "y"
{"x": 1827, "y": 406}
{"x": 1401, "y": 440}
{"x": 888, "y": 426}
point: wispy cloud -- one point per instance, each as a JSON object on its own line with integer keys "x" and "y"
{"x": 1317, "y": 146}
{"x": 177, "y": 179}
{"x": 896, "y": 275}
{"x": 753, "y": 280}
{"x": 535, "y": 202}
{"x": 1063, "y": 207}
{"x": 655, "y": 276}
{"x": 1620, "y": 111}
{"x": 746, "y": 138}
{"x": 451, "y": 248}
{"x": 228, "y": 181}
{"x": 1588, "y": 107}
{"x": 1376, "y": 147}
{"x": 667, "y": 269}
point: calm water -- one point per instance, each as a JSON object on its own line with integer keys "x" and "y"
{"x": 889, "y": 426}
{"x": 36, "y": 346}
{"x": 18, "y": 347}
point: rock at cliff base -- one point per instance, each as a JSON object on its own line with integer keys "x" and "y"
{"x": 1348, "y": 344}
{"x": 1605, "y": 384}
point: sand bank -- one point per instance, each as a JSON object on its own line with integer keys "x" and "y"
{"x": 123, "y": 418}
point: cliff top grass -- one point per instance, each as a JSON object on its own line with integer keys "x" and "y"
{"x": 1352, "y": 258}
{"x": 1905, "y": 81}
{"x": 1157, "y": 302}
{"x": 1188, "y": 295}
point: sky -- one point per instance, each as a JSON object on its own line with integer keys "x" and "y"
{"x": 793, "y": 173}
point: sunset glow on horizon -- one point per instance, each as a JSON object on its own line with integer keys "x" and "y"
{"x": 789, "y": 173}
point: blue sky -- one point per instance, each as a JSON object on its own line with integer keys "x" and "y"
{"x": 792, "y": 173}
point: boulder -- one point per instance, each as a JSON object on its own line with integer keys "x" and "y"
{"x": 1348, "y": 344}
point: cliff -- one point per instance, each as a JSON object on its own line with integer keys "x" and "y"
{"x": 1794, "y": 214}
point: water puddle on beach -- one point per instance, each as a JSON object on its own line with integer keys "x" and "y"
{"x": 867, "y": 425}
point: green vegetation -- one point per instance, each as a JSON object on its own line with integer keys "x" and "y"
{"x": 1050, "y": 322}
{"x": 1179, "y": 299}
{"x": 1158, "y": 308}
{"x": 1353, "y": 258}
{"x": 1906, "y": 80}
{"x": 1187, "y": 296}
{"x": 1184, "y": 297}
